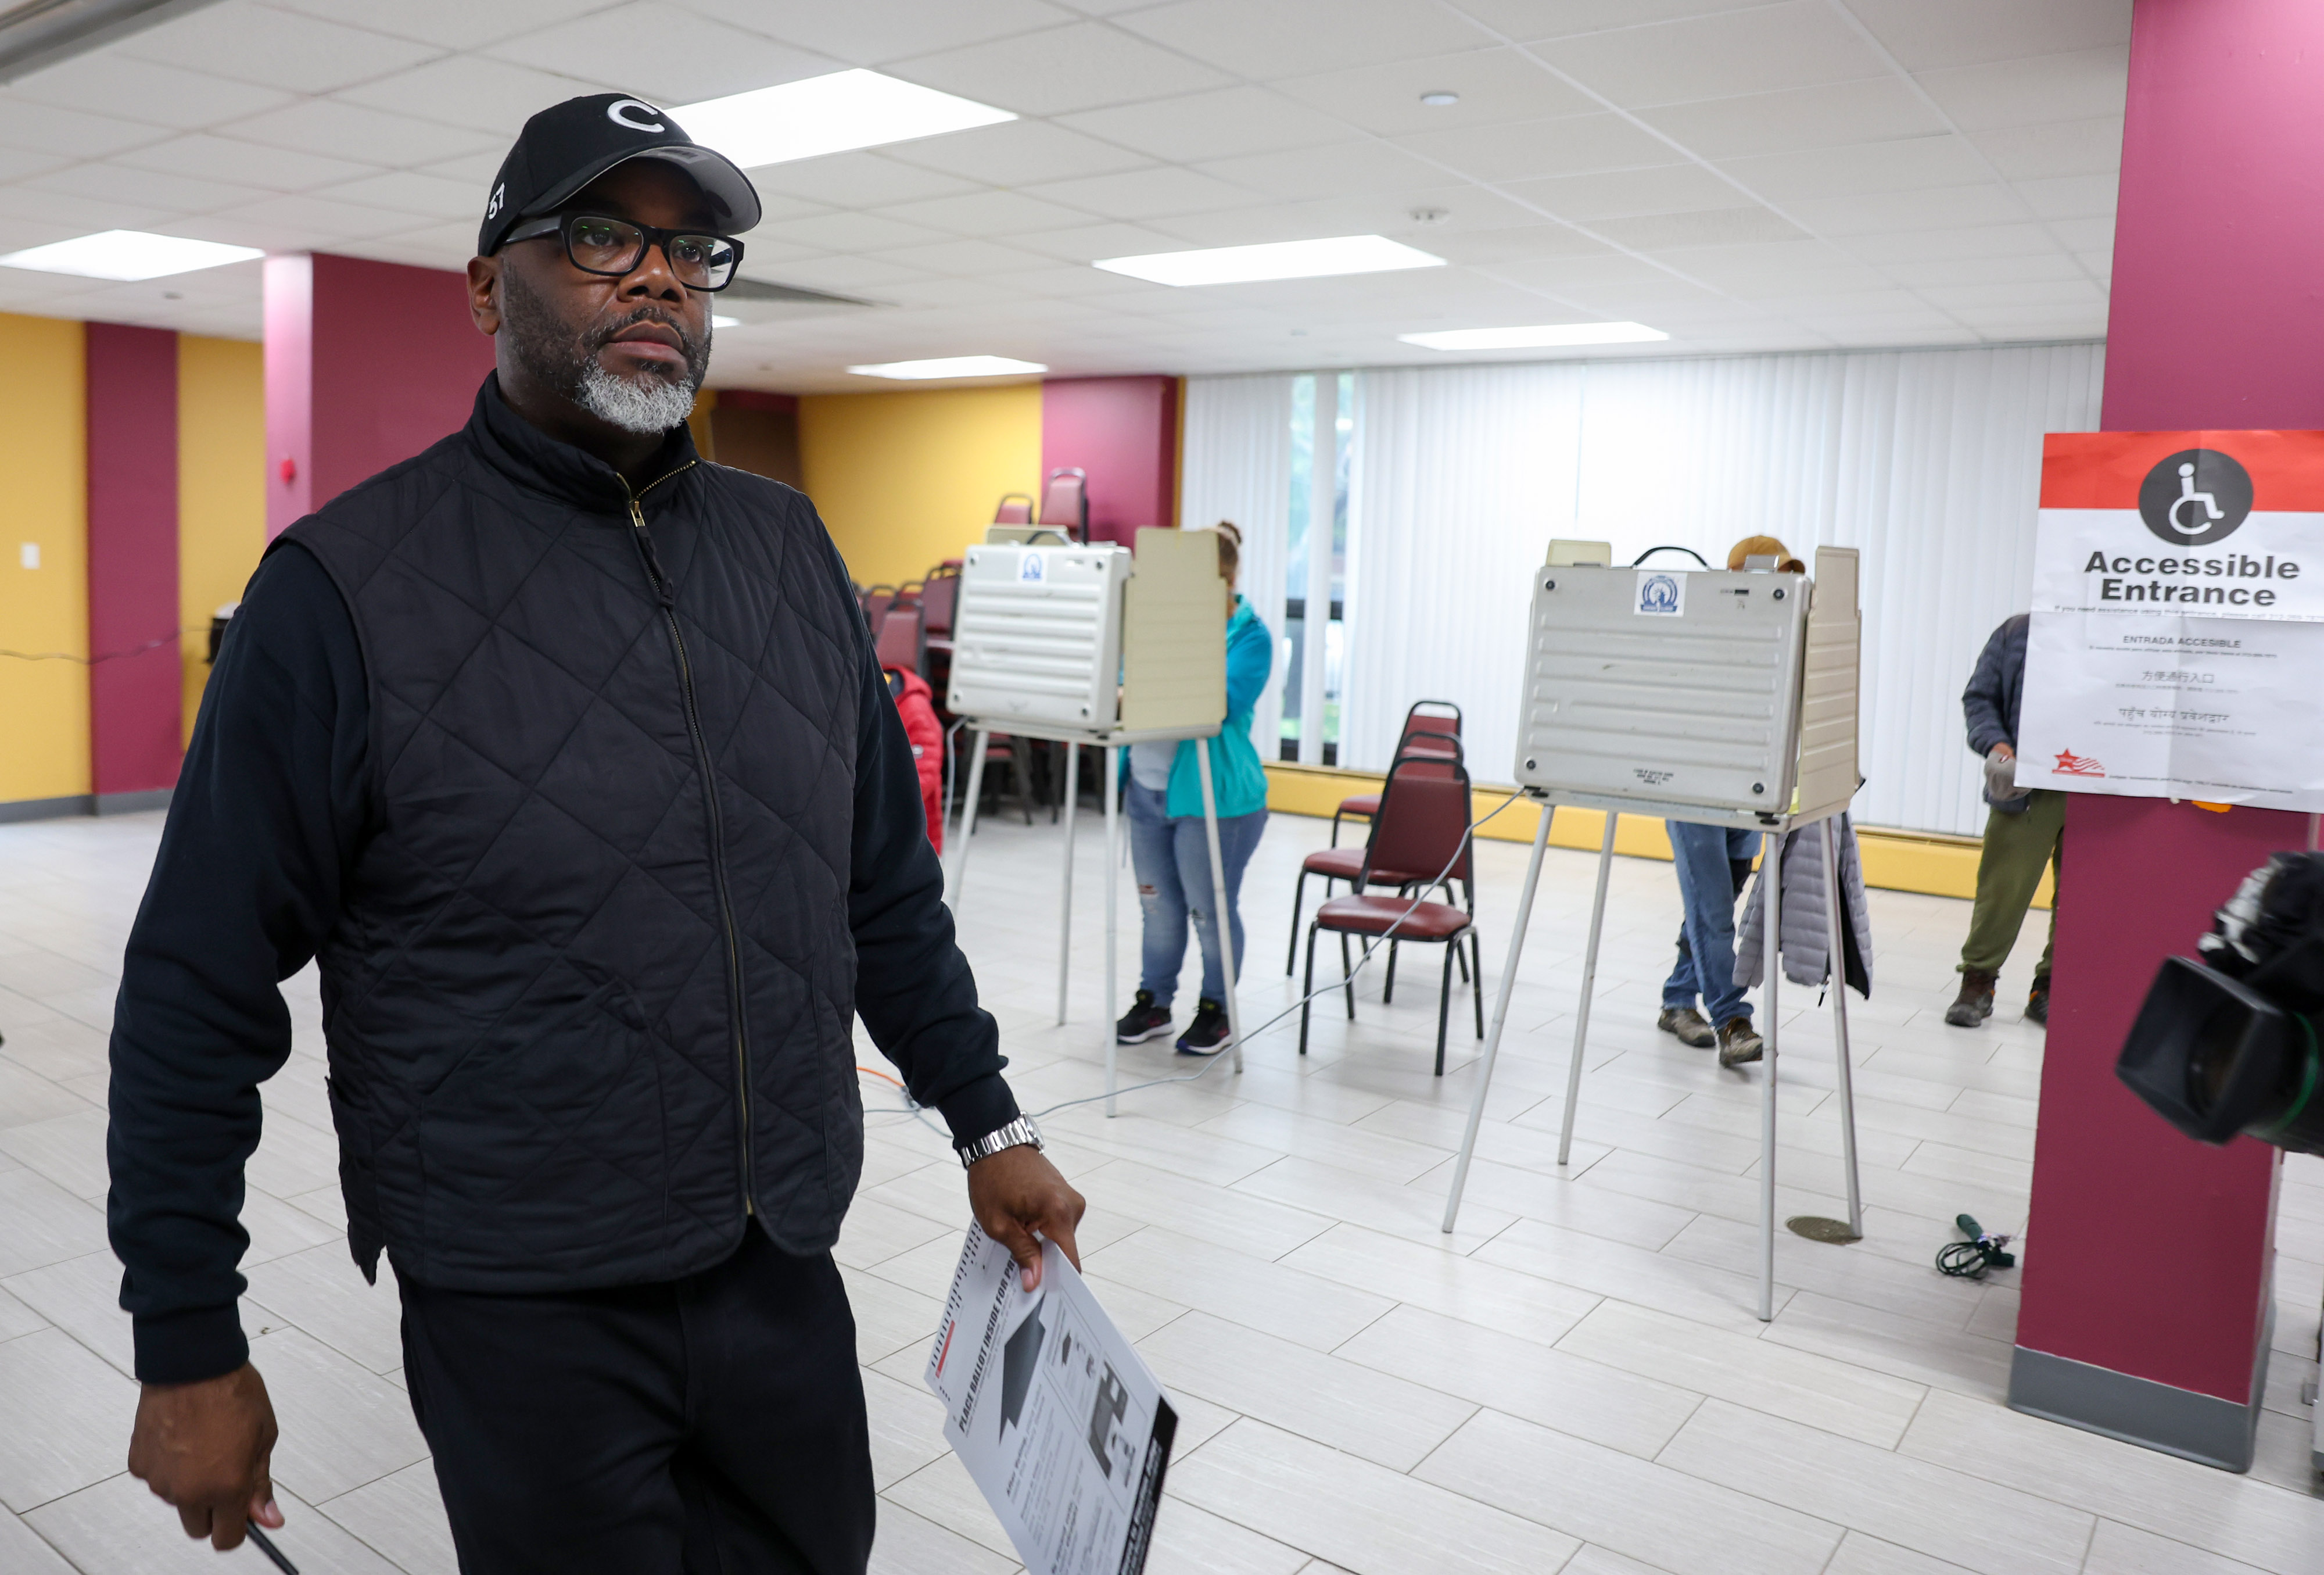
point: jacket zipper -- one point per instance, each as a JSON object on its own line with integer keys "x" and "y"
{"x": 667, "y": 597}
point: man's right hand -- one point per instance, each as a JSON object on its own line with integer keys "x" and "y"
{"x": 204, "y": 1448}
{"x": 2004, "y": 751}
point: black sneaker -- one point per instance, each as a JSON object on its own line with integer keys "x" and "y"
{"x": 1207, "y": 1034}
{"x": 1142, "y": 1022}
{"x": 2037, "y": 1005}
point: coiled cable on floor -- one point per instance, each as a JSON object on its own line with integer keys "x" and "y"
{"x": 1969, "y": 1260}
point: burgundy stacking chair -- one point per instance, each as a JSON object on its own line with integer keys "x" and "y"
{"x": 1064, "y": 503}
{"x": 1430, "y": 725}
{"x": 1015, "y": 509}
{"x": 1422, "y": 824}
{"x": 877, "y": 600}
{"x": 902, "y": 642}
{"x": 1345, "y": 863}
{"x": 938, "y": 597}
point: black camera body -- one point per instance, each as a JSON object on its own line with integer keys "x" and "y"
{"x": 2228, "y": 1045}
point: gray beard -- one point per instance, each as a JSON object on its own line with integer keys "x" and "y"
{"x": 646, "y": 405}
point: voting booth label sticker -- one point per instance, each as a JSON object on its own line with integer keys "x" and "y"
{"x": 1032, "y": 569}
{"x": 1661, "y": 595}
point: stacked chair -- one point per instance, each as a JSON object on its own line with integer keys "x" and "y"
{"x": 1419, "y": 827}
{"x": 1430, "y": 726}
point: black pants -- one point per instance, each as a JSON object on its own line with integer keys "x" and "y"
{"x": 709, "y": 1424}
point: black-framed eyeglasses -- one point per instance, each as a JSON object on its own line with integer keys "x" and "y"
{"x": 616, "y": 246}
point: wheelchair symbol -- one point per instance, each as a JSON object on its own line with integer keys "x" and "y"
{"x": 2187, "y": 494}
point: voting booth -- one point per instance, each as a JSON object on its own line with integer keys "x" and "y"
{"x": 1092, "y": 644}
{"x": 1723, "y": 698}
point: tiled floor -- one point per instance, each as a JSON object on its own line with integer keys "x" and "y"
{"x": 1574, "y": 1381}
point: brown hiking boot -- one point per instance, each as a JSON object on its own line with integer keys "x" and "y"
{"x": 1689, "y": 1025}
{"x": 1737, "y": 1043}
{"x": 1974, "y": 1005}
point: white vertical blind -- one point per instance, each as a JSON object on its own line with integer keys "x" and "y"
{"x": 1237, "y": 467}
{"x": 1928, "y": 460}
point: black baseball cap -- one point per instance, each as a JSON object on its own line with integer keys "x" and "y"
{"x": 568, "y": 145}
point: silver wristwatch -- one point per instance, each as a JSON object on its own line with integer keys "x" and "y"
{"x": 1015, "y": 1134}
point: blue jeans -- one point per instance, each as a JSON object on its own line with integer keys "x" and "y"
{"x": 1706, "y": 890}
{"x": 1173, "y": 861}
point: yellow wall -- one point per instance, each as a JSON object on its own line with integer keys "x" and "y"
{"x": 43, "y": 704}
{"x": 1898, "y": 861}
{"x": 221, "y": 488}
{"x": 906, "y": 480}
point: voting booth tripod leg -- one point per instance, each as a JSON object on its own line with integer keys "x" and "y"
{"x": 1837, "y": 961}
{"x": 1771, "y": 882}
{"x": 1220, "y": 919}
{"x": 968, "y": 820}
{"x": 1500, "y": 1018}
{"x": 1112, "y": 865}
{"x": 1065, "y": 897}
{"x": 1589, "y": 982}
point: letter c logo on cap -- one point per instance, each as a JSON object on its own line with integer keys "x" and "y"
{"x": 618, "y": 113}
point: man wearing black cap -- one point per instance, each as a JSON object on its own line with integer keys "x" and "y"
{"x": 566, "y": 755}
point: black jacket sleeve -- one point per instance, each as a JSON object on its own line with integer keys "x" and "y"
{"x": 913, "y": 988}
{"x": 268, "y": 811}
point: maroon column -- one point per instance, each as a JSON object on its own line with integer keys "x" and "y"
{"x": 366, "y": 364}
{"x": 134, "y": 687}
{"x": 2148, "y": 1294}
{"x": 1124, "y": 431}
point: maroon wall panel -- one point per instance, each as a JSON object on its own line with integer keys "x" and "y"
{"x": 1124, "y": 431}
{"x": 134, "y": 694}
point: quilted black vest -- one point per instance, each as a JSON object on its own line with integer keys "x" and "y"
{"x": 592, "y": 988}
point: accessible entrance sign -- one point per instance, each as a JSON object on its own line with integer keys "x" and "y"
{"x": 2177, "y": 641}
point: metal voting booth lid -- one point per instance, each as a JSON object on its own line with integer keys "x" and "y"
{"x": 1693, "y": 694}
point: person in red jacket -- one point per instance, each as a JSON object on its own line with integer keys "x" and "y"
{"x": 916, "y": 703}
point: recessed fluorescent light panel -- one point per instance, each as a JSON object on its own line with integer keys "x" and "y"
{"x": 950, "y": 366}
{"x": 1546, "y": 336}
{"x": 827, "y": 114}
{"x": 725, "y": 322}
{"x": 126, "y": 254}
{"x": 1274, "y": 260}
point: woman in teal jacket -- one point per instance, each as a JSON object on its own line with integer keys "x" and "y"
{"x": 1167, "y": 841}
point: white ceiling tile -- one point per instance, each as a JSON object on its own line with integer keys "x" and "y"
{"x": 1498, "y": 87}
{"x": 477, "y": 168}
{"x": 1081, "y": 282}
{"x": 1083, "y": 66}
{"x": 846, "y": 275}
{"x": 108, "y": 183}
{"x": 1869, "y": 167}
{"x": 1618, "y": 194}
{"x": 1523, "y": 244}
{"x": 849, "y": 232}
{"x": 1876, "y": 109}
{"x": 937, "y": 293}
{"x": 373, "y": 137}
{"x": 1015, "y": 152}
{"x": 143, "y": 91}
{"x": 318, "y": 214}
{"x": 1931, "y": 273}
{"x": 1960, "y": 32}
{"x": 1992, "y": 240}
{"x": 1717, "y": 227}
{"x": 473, "y": 91}
{"x": 245, "y": 163}
{"x": 1387, "y": 213}
{"x": 858, "y": 179}
{"x": 1149, "y": 193}
{"x": 2062, "y": 148}
{"x": 1715, "y": 265}
{"x": 2072, "y": 196}
{"x": 452, "y": 24}
{"x": 988, "y": 213}
{"x": 277, "y": 49}
{"x": 1087, "y": 243}
{"x": 2064, "y": 86}
{"x": 1282, "y": 37}
{"x": 2083, "y": 234}
{"x": 868, "y": 33}
{"x": 18, "y": 165}
{"x": 76, "y": 215}
{"x": 955, "y": 257}
{"x": 1526, "y": 19}
{"x": 406, "y": 191}
{"x": 2024, "y": 293}
{"x": 690, "y": 58}
{"x": 1306, "y": 174}
{"x": 1222, "y": 122}
{"x": 44, "y": 128}
{"x": 1796, "y": 43}
{"x": 1574, "y": 144}
{"x": 1987, "y": 202}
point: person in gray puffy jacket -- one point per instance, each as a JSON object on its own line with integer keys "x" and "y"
{"x": 2022, "y": 828}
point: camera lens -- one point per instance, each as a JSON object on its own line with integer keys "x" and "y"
{"x": 2212, "y": 1058}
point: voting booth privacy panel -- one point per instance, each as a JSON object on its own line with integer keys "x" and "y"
{"x": 1727, "y": 699}
{"x": 1093, "y": 644}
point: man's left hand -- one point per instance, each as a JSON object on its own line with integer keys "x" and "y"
{"x": 1018, "y": 1193}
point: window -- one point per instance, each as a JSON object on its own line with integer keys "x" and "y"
{"x": 1312, "y": 656}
